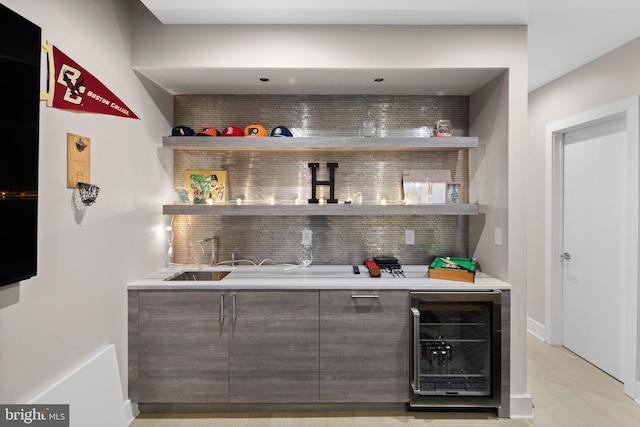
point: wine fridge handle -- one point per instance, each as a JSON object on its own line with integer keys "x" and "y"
{"x": 415, "y": 313}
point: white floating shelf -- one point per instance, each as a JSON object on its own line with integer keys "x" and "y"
{"x": 339, "y": 209}
{"x": 320, "y": 143}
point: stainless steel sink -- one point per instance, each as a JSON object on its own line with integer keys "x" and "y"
{"x": 190, "y": 276}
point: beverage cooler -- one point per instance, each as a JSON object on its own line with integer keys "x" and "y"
{"x": 455, "y": 349}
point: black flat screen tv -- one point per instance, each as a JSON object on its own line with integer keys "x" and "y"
{"x": 19, "y": 124}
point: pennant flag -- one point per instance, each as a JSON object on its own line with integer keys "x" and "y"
{"x": 71, "y": 87}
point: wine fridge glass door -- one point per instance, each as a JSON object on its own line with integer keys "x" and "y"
{"x": 454, "y": 343}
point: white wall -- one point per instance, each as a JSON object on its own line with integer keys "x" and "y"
{"x": 77, "y": 304}
{"x": 612, "y": 77}
{"x": 489, "y": 179}
{"x": 498, "y": 190}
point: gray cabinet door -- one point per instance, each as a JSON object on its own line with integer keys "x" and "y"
{"x": 364, "y": 338}
{"x": 183, "y": 347}
{"x": 274, "y": 347}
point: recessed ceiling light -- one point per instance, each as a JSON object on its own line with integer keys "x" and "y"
{"x": 264, "y": 79}
{"x": 378, "y": 80}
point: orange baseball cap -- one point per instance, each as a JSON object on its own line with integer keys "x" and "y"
{"x": 255, "y": 130}
{"x": 210, "y": 131}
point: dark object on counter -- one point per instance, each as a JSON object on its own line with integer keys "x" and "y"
{"x": 384, "y": 261}
{"x": 356, "y": 270}
{"x": 388, "y": 263}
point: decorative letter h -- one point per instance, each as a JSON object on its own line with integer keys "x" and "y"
{"x": 331, "y": 183}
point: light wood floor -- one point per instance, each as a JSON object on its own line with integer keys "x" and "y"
{"x": 566, "y": 391}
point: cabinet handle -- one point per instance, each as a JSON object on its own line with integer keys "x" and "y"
{"x": 233, "y": 308}
{"x": 364, "y": 296}
{"x": 222, "y": 308}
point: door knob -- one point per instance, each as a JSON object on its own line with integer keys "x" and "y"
{"x": 565, "y": 255}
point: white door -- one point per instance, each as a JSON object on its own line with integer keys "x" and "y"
{"x": 594, "y": 238}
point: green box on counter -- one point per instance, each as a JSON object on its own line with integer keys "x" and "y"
{"x": 450, "y": 268}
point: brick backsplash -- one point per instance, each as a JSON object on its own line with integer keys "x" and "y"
{"x": 322, "y": 115}
{"x": 286, "y": 176}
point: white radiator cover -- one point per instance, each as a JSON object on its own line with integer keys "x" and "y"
{"x": 92, "y": 391}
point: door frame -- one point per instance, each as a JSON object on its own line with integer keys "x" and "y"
{"x": 630, "y": 110}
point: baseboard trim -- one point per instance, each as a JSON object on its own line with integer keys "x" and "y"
{"x": 130, "y": 411}
{"x": 521, "y": 407}
{"x": 536, "y": 328}
{"x": 181, "y": 408}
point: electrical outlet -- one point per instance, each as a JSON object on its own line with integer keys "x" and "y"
{"x": 307, "y": 237}
{"x": 409, "y": 237}
{"x": 498, "y": 236}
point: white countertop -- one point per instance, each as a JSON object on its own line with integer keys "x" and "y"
{"x": 274, "y": 277}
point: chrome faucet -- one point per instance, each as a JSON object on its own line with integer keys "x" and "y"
{"x": 233, "y": 257}
{"x": 214, "y": 248}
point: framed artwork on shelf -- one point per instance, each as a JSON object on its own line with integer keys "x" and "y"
{"x": 182, "y": 195}
{"x": 454, "y": 192}
{"x": 206, "y": 186}
{"x": 414, "y": 186}
{"x": 425, "y": 186}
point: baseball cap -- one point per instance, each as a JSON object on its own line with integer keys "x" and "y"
{"x": 281, "y": 131}
{"x": 255, "y": 130}
{"x": 182, "y": 131}
{"x": 210, "y": 131}
{"x": 232, "y": 131}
